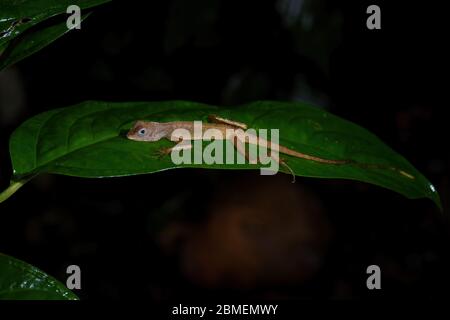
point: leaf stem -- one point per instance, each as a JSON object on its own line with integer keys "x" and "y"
{"x": 13, "y": 187}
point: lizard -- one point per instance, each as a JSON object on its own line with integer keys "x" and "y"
{"x": 154, "y": 131}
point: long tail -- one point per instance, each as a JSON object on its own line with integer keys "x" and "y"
{"x": 293, "y": 153}
{"x": 297, "y": 154}
{"x": 290, "y": 152}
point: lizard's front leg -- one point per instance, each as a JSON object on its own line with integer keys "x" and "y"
{"x": 181, "y": 145}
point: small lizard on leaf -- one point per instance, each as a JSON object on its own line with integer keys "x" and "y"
{"x": 154, "y": 131}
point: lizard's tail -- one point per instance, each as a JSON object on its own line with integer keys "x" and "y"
{"x": 290, "y": 152}
{"x": 341, "y": 162}
{"x": 297, "y": 154}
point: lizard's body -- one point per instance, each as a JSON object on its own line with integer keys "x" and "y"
{"x": 154, "y": 131}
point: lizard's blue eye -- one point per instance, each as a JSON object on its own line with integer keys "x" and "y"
{"x": 142, "y": 132}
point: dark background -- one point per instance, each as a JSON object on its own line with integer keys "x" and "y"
{"x": 193, "y": 233}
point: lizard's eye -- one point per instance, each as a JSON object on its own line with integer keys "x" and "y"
{"x": 142, "y": 132}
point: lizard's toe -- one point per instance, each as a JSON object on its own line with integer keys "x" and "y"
{"x": 160, "y": 153}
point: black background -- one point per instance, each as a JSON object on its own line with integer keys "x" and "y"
{"x": 121, "y": 232}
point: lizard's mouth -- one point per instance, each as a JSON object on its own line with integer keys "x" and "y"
{"x": 131, "y": 135}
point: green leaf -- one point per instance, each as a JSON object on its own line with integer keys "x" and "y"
{"x": 88, "y": 140}
{"x": 13, "y": 13}
{"x": 26, "y": 26}
{"x": 21, "y": 281}
{"x": 32, "y": 42}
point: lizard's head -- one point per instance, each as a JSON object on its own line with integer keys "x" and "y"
{"x": 146, "y": 131}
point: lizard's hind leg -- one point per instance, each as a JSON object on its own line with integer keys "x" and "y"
{"x": 240, "y": 147}
{"x": 216, "y": 119}
{"x": 284, "y": 164}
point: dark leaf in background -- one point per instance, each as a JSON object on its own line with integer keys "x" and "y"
{"x": 26, "y": 27}
{"x": 22, "y": 281}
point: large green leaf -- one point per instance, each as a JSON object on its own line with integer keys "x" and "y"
{"x": 26, "y": 27}
{"x": 88, "y": 140}
{"x": 21, "y": 281}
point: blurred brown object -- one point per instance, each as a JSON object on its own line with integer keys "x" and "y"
{"x": 260, "y": 232}
{"x": 12, "y": 96}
